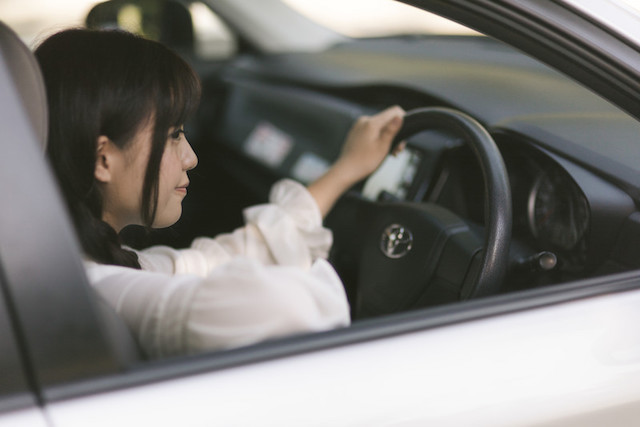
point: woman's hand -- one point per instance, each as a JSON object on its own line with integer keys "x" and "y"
{"x": 365, "y": 147}
{"x": 368, "y": 143}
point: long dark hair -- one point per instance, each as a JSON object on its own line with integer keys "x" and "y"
{"x": 109, "y": 83}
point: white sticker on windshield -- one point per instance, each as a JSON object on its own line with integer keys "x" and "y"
{"x": 268, "y": 144}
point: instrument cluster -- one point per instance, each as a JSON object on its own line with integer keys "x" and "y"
{"x": 557, "y": 211}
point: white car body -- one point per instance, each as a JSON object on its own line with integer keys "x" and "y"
{"x": 575, "y": 364}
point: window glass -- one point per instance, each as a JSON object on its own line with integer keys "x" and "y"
{"x": 375, "y": 18}
{"x": 35, "y": 20}
{"x": 213, "y": 39}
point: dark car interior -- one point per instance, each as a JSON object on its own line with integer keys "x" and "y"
{"x": 567, "y": 155}
{"x": 568, "y": 211}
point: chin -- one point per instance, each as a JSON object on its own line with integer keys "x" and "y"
{"x": 167, "y": 219}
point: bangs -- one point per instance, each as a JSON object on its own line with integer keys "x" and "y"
{"x": 178, "y": 93}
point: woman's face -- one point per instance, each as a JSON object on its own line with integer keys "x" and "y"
{"x": 178, "y": 158}
{"x": 122, "y": 193}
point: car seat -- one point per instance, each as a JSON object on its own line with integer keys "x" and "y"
{"x": 69, "y": 333}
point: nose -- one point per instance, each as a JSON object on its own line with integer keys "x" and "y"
{"x": 189, "y": 158}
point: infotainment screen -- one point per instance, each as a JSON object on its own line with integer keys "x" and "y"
{"x": 395, "y": 176}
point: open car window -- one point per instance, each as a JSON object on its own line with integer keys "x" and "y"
{"x": 569, "y": 157}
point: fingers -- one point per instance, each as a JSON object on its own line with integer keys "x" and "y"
{"x": 391, "y": 128}
{"x": 389, "y": 113}
{"x": 391, "y": 120}
{"x": 399, "y": 148}
{"x": 369, "y": 140}
{"x": 386, "y": 121}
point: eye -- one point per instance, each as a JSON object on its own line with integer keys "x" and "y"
{"x": 176, "y": 133}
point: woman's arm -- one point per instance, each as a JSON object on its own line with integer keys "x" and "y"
{"x": 242, "y": 302}
{"x": 288, "y": 230}
{"x": 365, "y": 148}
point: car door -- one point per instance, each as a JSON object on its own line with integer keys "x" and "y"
{"x": 543, "y": 357}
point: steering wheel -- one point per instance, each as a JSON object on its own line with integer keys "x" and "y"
{"x": 407, "y": 255}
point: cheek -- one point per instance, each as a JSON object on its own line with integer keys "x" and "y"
{"x": 170, "y": 169}
{"x": 169, "y": 201}
{"x": 166, "y": 184}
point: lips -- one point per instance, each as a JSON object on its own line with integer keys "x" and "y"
{"x": 182, "y": 188}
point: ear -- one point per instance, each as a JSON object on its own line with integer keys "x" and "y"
{"x": 104, "y": 159}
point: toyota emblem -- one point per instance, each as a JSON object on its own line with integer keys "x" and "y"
{"x": 396, "y": 241}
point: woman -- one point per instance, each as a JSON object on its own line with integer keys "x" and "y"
{"x": 117, "y": 104}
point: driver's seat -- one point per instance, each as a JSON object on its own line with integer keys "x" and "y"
{"x": 68, "y": 331}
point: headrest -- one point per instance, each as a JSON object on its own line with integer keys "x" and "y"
{"x": 28, "y": 79}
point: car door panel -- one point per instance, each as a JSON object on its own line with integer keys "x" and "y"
{"x": 538, "y": 365}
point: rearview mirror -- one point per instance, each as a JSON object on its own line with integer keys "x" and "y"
{"x": 192, "y": 29}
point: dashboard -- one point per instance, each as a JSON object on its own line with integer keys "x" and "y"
{"x": 560, "y": 209}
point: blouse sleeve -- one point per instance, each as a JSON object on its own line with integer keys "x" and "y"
{"x": 288, "y": 232}
{"x": 240, "y": 303}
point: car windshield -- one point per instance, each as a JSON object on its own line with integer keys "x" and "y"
{"x": 369, "y": 19}
{"x": 375, "y": 18}
{"x": 383, "y": 18}
{"x": 352, "y": 18}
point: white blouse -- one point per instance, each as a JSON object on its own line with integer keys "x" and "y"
{"x": 265, "y": 280}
